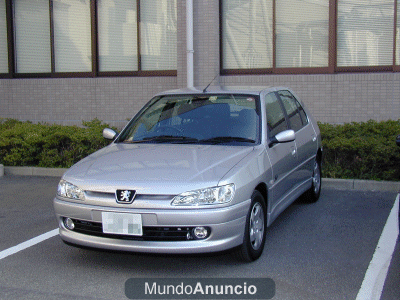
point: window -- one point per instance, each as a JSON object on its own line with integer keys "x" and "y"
{"x": 59, "y": 38}
{"x": 204, "y": 118}
{"x": 247, "y": 34}
{"x": 297, "y": 120}
{"x": 3, "y": 39}
{"x": 310, "y": 36}
{"x": 276, "y": 121}
{"x": 67, "y": 35}
{"x": 158, "y": 35}
{"x": 398, "y": 34}
{"x": 365, "y": 33}
{"x": 72, "y": 36}
{"x": 128, "y": 45}
{"x": 117, "y": 27}
{"x": 304, "y": 118}
{"x": 302, "y": 33}
{"x": 32, "y": 36}
{"x": 248, "y": 29}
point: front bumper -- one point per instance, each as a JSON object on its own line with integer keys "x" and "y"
{"x": 226, "y": 224}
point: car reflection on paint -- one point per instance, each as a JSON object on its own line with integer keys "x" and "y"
{"x": 194, "y": 171}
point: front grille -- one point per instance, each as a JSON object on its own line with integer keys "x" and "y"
{"x": 150, "y": 233}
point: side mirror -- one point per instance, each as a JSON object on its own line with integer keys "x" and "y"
{"x": 282, "y": 137}
{"x": 398, "y": 140}
{"x": 109, "y": 134}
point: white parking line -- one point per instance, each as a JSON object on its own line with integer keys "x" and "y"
{"x": 28, "y": 243}
{"x": 372, "y": 286}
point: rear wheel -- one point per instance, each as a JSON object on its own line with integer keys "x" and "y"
{"x": 313, "y": 193}
{"x": 255, "y": 230}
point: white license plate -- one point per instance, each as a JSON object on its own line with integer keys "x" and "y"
{"x": 122, "y": 223}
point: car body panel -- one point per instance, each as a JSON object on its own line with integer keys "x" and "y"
{"x": 155, "y": 168}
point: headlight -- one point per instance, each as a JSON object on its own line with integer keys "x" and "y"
{"x": 208, "y": 196}
{"x": 68, "y": 190}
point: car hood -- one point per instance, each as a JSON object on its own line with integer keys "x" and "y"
{"x": 155, "y": 168}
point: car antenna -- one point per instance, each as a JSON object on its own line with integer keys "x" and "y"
{"x": 205, "y": 89}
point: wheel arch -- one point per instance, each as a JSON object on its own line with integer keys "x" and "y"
{"x": 263, "y": 189}
{"x": 319, "y": 159}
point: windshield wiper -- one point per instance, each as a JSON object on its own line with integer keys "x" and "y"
{"x": 165, "y": 138}
{"x": 227, "y": 139}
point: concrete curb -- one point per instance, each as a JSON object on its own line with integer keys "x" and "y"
{"x": 341, "y": 184}
{"x": 34, "y": 171}
{"x": 361, "y": 185}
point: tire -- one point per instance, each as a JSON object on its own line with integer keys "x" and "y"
{"x": 255, "y": 230}
{"x": 312, "y": 195}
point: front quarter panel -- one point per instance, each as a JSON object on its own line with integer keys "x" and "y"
{"x": 254, "y": 169}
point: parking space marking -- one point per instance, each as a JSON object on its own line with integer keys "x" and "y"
{"x": 28, "y": 243}
{"x": 374, "y": 280}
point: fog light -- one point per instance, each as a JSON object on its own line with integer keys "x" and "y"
{"x": 200, "y": 232}
{"x": 69, "y": 224}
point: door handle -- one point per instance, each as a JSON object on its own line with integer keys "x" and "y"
{"x": 314, "y": 138}
{"x": 294, "y": 152}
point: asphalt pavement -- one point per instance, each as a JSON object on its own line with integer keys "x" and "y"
{"x": 313, "y": 251}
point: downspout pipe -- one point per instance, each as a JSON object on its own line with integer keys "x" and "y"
{"x": 189, "y": 43}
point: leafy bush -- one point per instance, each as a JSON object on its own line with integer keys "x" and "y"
{"x": 44, "y": 145}
{"x": 355, "y": 150}
{"x": 361, "y": 150}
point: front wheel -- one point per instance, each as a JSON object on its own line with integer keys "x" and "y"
{"x": 255, "y": 230}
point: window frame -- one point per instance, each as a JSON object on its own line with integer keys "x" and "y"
{"x": 10, "y": 45}
{"x": 396, "y": 68}
{"x": 332, "y": 67}
{"x": 130, "y": 128}
{"x": 286, "y": 117}
{"x": 94, "y": 50}
{"x": 297, "y": 111}
{"x": 283, "y": 121}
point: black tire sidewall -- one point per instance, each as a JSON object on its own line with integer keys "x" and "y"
{"x": 248, "y": 253}
{"x": 315, "y": 196}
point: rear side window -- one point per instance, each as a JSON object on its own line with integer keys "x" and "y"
{"x": 276, "y": 120}
{"x": 295, "y": 112}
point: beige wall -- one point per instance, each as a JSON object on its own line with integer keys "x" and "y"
{"x": 336, "y": 98}
{"x": 69, "y": 101}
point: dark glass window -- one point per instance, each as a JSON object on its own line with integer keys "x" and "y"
{"x": 276, "y": 120}
{"x": 294, "y": 110}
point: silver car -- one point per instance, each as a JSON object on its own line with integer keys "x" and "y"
{"x": 194, "y": 171}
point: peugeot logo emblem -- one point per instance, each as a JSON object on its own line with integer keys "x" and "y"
{"x": 125, "y": 196}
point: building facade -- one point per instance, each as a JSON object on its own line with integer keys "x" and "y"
{"x": 64, "y": 61}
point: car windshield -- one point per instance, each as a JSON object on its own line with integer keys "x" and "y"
{"x": 205, "y": 119}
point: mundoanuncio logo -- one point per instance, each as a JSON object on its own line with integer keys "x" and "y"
{"x": 200, "y": 288}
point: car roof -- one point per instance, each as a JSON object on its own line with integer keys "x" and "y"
{"x": 253, "y": 90}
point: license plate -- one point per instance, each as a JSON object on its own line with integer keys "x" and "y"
{"x": 122, "y": 223}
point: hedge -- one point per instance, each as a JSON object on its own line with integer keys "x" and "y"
{"x": 44, "y": 145}
{"x": 361, "y": 150}
{"x": 354, "y": 150}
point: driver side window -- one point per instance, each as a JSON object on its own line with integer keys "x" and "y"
{"x": 297, "y": 116}
{"x": 276, "y": 120}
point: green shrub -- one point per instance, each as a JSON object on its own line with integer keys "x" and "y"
{"x": 361, "y": 150}
{"x": 44, "y": 145}
{"x": 355, "y": 150}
